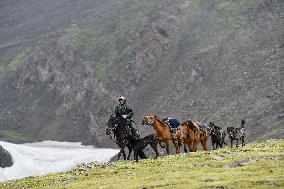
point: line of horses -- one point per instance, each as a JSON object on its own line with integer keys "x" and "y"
{"x": 189, "y": 135}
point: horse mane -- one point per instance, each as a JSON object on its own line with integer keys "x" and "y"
{"x": 160, "y": 121}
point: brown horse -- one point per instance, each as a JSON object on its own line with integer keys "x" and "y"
{"x": 204, "y": 136}
{"x": 164, "y": 132}
{"x": 193, "y": 134}
{"x": 190, "y": 135}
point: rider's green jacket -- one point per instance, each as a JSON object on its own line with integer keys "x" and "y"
{"x": 124, "y": 109}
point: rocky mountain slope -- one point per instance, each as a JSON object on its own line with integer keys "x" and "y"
{"x": 63, "y": 63}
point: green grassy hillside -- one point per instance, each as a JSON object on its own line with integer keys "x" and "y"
{"x": 258, "y": 165}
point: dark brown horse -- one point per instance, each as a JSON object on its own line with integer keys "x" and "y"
{"x": 204, "y": 136}
{"x": 236, "y": 134}
{"x": 217, "y": 135}
{"x": 164, "y": 132}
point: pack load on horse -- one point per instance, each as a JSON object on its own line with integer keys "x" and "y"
{"x": 125, "y": 114}
{"x": 218, "y": 135}
{"x": 172, "y": 123}
{"x": 237, "y": 134}
{"x": 164, "y": 132}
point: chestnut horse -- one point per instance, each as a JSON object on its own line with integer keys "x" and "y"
{"x": 164, "y": 132}
{"x": 193, "y": 134}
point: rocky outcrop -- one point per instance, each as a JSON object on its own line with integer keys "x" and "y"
{"x": 5, "y": 158}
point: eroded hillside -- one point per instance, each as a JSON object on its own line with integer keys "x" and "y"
{"x": 63, "y": 64}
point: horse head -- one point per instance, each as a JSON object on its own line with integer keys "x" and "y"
{"x": 231, "y": 131}
{"x": 117, "y": 127}
{"x": 211, "y": 124}
{"x": 149, "y": 120}
{"x": 112, "y": 126}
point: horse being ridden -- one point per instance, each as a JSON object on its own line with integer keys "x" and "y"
{"x": 164, "y": 132}
{"x": 217, "y": 135}
{"x": 123, "y": 137}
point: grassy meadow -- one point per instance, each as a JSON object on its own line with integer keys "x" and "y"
{"x": 258, "y": 165}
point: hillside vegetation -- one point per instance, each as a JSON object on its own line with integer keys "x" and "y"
{"x": 258, "y": 165}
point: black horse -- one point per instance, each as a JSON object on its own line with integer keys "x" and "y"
{"x": 123, "y": 137}
{"x": 140, "y": 144}
{"x": 217, "y": 135}
{"x": 236, "y": 134}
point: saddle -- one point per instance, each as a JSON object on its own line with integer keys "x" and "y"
{"x": 201, "y": 127}
{"x": 173, "y": 124}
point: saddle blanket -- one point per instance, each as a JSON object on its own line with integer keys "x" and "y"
{"x": 173, "y": 124}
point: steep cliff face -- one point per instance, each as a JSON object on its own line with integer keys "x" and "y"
{"x": 215, "y": 61}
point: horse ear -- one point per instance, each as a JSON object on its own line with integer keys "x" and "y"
{"x": 155, "y": 116}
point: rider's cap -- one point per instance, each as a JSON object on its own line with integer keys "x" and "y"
{"x": 121, "y": 98}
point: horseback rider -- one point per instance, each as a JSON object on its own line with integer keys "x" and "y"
{"x": 125, "y": 115}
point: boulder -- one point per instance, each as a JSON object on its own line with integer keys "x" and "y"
{"x": 5, "y": 158}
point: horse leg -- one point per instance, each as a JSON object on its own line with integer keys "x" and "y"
{"x": 213, "y": 145}
{"x": 177, "y": 145}
{"x": 243, "y": 141}
{"x": 142, "y": 154}
{"x": 205, "y": 144}
{"x": 136, "y": 155}
{"x": 121, "y": 152}
{"x": 155, "y": 148}
{"x": 184, "y": 148}
{"x": 231, "y": 143}
{"x": 167, "y": 147}
{"x": 118, "y": 155}
{"x": 156, "y": 151}
{"x": 194, "y": 146}
{"x": 129, "y": 152}
{"x": 124, "y": 154}
{"x": 237, "y": 145}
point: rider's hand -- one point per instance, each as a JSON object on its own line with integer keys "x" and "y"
{"x": 124, "y": 116}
